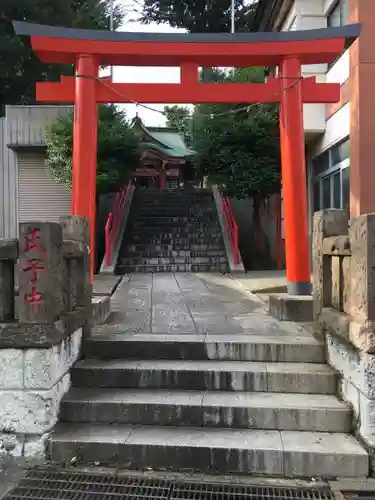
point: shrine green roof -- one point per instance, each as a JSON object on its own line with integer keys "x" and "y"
{"x": 165, "y": 140}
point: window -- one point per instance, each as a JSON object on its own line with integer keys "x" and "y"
{"x": 339, "y": 15}
{"x": 331, "y": 187}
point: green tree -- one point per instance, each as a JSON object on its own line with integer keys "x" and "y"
{"x": 203, "y": 16}
{"x": 239, "y": 145}
{"x": 179, "y": 117}
{"x": 20, "y": 69}
{"x": 117, "y": 149}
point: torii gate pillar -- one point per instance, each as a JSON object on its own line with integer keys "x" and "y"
{"x": 293, "y": 164}
{"x": 85, "y": 132}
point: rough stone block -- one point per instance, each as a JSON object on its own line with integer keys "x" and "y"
{"x": 362, "y": 291}
{"x": 326, "y": 223}
{"x": 355, "y": 366}
{"x": 40, "y": 272}
{"x": 36, "y": 446}
{"x": 11, "y": 445}
{"x": 77, "y": 229}
{"x": 337, "y": 282}
{"x": 101, "y": 309}
{"x": 11, "y": 368}
{"x": 44, "y": 367}
{"x": 291, "y": 307}
{"x": 31, "y": 412}
{"x": 346, "y": 269}
{"x": 352, "y": 395}
{"x": 6, "y": 290}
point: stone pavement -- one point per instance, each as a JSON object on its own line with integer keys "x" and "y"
{"x": 191, "y": 303}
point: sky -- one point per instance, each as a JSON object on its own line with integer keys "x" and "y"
{"x": 145, "y": 75}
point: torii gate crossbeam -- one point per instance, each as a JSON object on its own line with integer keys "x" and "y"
{"x": 89, "y": 49}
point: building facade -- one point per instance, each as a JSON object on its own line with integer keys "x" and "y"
{"x": 29, "y": 191}
{"x": 339, "y": 137}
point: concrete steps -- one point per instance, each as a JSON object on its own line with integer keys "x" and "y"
{"x": 262, "y": 410}
{"x": 253, "y": 376}
{"x": 219, "y": 347}
{"x": 218, "y": 403}
{"x": 274, "y": 453}
{"x": 177, "y": 220}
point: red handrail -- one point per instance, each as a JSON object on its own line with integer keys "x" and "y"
{"x": 114, "y": 220}
{"x": 231, "y": 226}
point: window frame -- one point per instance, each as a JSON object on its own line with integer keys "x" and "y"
{"x": 329, "y": 173}
{"x": 342, "y": 6}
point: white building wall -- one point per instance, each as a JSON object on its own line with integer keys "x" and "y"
{"x": 304, "y": 15}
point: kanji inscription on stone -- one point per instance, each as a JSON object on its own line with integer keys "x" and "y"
{"x": 40, "y": 272}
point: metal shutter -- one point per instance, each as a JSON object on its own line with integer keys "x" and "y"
{"x": 40, "y": 197}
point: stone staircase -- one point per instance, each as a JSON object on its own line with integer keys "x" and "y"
{"x": 171, "y": 231}
{"x": 213, "y": 403}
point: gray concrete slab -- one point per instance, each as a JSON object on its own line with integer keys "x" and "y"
{"x": 105, "y": 284}
{"x": 323, "y": 455}
{"x": 188, "y": 303}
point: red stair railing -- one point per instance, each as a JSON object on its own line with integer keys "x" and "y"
{"x": 231, "y": 226}
{"x": 114, "y": 220}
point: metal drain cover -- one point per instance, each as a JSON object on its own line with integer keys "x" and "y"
{"x": 46, "y": 484}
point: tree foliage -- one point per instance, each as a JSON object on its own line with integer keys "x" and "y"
{"x": 180, "y": 118}
{"x": 203, "y": 16}
{"x": 117, "y": 149}
{"x": 20, "y": 68}
{"x": 239, "y": 145}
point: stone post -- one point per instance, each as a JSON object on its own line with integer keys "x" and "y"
{"x": 362, "y": 280}
{"x": 326, "y": 223}
{"x": 40, "y": 272}
{"x": 76, "y": 228}
{"x": 8, "y": 257}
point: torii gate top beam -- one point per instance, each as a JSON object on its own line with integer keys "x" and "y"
{"x": 159, "y": 49}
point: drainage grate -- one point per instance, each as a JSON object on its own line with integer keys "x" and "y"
{"x": 65, "y": 485}
{"x": 205, "y": 491}
{"x": 51, "y": 484}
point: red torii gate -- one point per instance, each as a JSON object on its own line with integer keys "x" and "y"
{"x": 89, "y": 49}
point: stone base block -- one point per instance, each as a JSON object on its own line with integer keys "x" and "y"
{"x": 357, "y": 384}
{"x": 101, "y": 309}
{"x": 32, "y": 385}
{"x": 287, "y": 307}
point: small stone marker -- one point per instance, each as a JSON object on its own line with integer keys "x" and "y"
{"x": 40, "y": 272}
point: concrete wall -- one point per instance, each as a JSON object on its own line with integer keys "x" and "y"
{"x": 253, "y": 257}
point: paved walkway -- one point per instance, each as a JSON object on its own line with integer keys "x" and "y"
{"x": 192, "y": 303}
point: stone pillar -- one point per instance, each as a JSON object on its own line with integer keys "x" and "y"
{"x": 76, "y": 228}
{"x": 40, "y": 272}
{"x": 8, "y": 257}
{"x": 326, "y": 223}
{"x": 362, "y": 283}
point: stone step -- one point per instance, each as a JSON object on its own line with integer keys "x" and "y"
{"x": 173, "y": 232}
{"x": 113, "y": 343}
{"x": 176, "y": 268}
{"x": 165, "y": 238}
{"x": 262, "y": 410}
{"x": 206, "y": 375}
{"x": 174, "y": 226}
{"x": 203, "y": 248}
{"x": 143, "y": 253}
{"x": 170, "y": 261}
{"x": 285, "y": 453}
